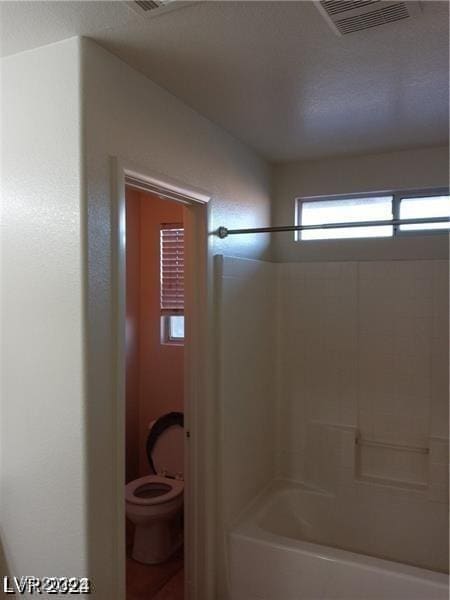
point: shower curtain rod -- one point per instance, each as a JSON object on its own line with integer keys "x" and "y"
{"x": 224, "y": 232}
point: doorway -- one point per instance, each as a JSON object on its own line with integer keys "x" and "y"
{"x": 154, "y": 396}
{"x": 177, "y": 575}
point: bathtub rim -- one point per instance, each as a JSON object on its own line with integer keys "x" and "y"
{"x": 248, "y": 528}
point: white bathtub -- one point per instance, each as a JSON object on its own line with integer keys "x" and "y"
{"x": 274, "y": 555}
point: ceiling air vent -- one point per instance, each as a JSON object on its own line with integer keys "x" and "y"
{"x": 147, "y": 4}
{"x": 145, "y": 7}
{"x": 351, "y": 16}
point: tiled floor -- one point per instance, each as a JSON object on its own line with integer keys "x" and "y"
{"x": 154, "y": 582}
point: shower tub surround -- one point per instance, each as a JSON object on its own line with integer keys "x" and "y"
{"x": 288, "y": 547}
{"x": 356, "y": 389}
{"x": 246, "y": 387}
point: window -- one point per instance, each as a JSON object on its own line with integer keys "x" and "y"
{"x": 419, "y": 207}
{"x": 172, "y": 283}
{"x": 372, "y": 208}
{"x": 346, "y": 211}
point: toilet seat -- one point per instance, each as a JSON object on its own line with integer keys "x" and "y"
{"x": 175, "y": 489}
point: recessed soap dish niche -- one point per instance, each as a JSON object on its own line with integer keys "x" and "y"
{"x": 392, "y": 464}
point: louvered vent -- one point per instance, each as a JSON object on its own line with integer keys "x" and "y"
{"x": 347, "y": 16}
{"x": 147, "y": 4}
{"x": 146, "y": 7}
{"x": 335, "y": 7}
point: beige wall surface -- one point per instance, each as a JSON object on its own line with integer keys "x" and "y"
{"x": 407, "y": 170}
{"x": 128, "y": 116}
{"x": 43, "y": 483}
{"x": 63, "y": 119}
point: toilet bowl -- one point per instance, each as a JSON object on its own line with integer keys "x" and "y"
{"x": 154, "y": 503}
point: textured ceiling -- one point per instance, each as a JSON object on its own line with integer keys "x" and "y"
{"x": 29, "y": 24}
{"x": 275, "y": 76}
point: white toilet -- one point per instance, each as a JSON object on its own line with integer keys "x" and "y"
{"x": 154, "y": 503}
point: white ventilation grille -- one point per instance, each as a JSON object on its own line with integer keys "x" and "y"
{"x": 145, "y": 7}
{"x": 351, "y": 16}
{"x": 147, "y": 4}
{"x": 335, "y": 7}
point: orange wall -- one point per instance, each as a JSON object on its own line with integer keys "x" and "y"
{"x": 157, "y": 368}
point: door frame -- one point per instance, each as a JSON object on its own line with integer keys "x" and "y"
{"x": 199, "y": 440}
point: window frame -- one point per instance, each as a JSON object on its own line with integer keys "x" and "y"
{"x": 397, "y": 197}
{"x": 165, "y": 330}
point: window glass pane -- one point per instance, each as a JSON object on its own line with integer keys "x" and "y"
{"x": 176, "y": 328}
{"x": 346, "y": 211}
{"x": 421, "y": 208}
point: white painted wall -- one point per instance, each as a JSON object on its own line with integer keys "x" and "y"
{"x": 43, "y": 510}
{"x": 409, "y": 169}
{"x": 128, "y": 116}
{"x": 63, "y": 118}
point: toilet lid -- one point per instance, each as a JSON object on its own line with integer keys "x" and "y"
{"x": 165, "y": 446}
